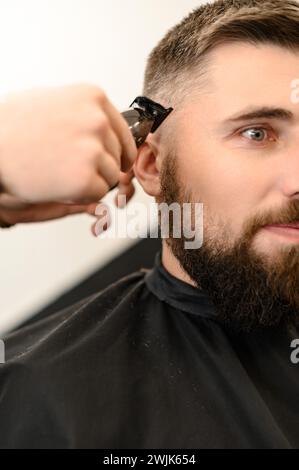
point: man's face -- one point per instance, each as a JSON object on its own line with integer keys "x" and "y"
{"x": 246, "y": 174}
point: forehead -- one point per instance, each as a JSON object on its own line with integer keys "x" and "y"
{"x": 242, "y": 74}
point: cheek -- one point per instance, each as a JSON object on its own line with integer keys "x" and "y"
{"x": 214, "y": 176}
{"x": 228, "y": 186}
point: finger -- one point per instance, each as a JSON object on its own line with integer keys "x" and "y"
{"x": 126, "y": 178}
{"x": 11, "y": 202}
{"x": 91, "y": 208}
{"x": 94, "y": 190}
{"x": 57, "y": 211}
{"x": 109, "y": 169}
{"x": 41, "y": 212}
{"x": 121, "y": 199}
{"x": 121, "y": 128}
{"x": 112, "y": 145}
{"x": 126, "y": 189}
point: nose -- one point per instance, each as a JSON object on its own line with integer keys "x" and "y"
{"x": 290, "y": 172}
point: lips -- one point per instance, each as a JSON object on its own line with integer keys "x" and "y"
{"x": 289, "y": 232}
{"x": 294, "y": 225}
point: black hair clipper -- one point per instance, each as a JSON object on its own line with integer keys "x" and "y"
{"x": 143, "y": 117}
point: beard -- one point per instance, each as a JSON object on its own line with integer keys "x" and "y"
{"x": 248, "y": 291}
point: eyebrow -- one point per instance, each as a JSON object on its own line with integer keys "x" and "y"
{"x": 262, "y": 112}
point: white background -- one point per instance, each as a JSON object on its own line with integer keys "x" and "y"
{"x": 55, "y": 42}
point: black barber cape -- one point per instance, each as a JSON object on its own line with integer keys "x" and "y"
{"x": 144, "y": 364}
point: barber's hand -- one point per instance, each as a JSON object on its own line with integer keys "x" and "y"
{"x": 61, "y": 151}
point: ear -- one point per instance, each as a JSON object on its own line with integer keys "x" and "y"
{"x": 147, "y": 167}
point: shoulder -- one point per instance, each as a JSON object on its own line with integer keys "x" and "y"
{"x": 75, "y": 321}
{"x": 62, "y": 368}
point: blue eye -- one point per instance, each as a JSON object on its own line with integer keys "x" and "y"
{"x": 257, "y": 133}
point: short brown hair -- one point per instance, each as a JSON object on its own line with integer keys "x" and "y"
{"x": 177, "y": 63}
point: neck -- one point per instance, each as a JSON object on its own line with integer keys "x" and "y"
{"x": 172, "y": 265}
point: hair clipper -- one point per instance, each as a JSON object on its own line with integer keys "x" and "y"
{"x": 143, "y": 117}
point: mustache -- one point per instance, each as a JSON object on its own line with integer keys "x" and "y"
{"x": 286, "y": 216}
{"x": 290, "y": 215}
